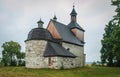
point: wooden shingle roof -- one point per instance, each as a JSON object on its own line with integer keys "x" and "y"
{"x": 66, "y": 34}
{"x": 39, "y": 34}
{"x": 56, "y": 50}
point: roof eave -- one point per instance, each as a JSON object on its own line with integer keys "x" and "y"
{"x": 59, "y": 56}
{"x": 73, "y": 43}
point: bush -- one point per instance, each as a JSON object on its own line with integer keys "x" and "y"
{"x": 21, "y": 63}
{"x": 1, "y": 64}
{"x": 14, "y": 63}
{"x": 94, "y": 64}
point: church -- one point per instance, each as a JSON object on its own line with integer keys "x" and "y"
{"x": 59, "y": 46}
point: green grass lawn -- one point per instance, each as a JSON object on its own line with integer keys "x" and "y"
{"x": 77, "y": 72}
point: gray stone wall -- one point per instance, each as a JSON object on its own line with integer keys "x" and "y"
{"x": 34, "y": 54}
{"x": 62, "y": 63}
{"x": 78, "y": 51}
{"x": 66, "y": 63}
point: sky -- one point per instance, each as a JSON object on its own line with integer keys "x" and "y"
{"x": 18, "y": 17}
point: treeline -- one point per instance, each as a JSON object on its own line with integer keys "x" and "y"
{"x": 110, "y": 51}
{"x": 12, "y": 55}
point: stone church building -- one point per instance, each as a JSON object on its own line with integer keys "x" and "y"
{"x": 58, "y": 46}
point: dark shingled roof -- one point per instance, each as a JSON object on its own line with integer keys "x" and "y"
{"x": 38, "y": 34}
{"x": 66, "y": 34}
{"x": 40, "y": 21}
{"x": 75, "y": 25}
{"x": 73, "y": 13}
{"x": 54, "y": 49}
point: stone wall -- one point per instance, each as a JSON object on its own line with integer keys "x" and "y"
{"x": 78, "y": 51}
{"x": 62, "y": 63}
{"x": 34, "y": 54}
{"x": 66, "y": 62}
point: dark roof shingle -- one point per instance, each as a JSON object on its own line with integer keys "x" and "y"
{"x": 73, "y": 12}
{"x": 54, "y": 49}
{"x": 66, "y": 34}
{"x": 72, "y": 25}
{"x": 38, "y": 34}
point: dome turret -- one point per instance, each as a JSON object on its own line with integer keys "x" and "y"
{"x": 39, "y": 33}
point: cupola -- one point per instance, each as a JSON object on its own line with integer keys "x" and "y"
{"x": 40, "y": 23}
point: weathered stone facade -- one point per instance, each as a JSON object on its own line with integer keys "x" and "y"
{"x": 34, "y": 54}
{"x": 78, "y": 51}
{"x": 62, "y": 63}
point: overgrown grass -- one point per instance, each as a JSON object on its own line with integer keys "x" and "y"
{"x": 77, "y": 72}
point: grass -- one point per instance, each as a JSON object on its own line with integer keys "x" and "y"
{"x": 77, "y": 72}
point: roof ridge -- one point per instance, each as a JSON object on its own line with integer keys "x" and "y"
{"x": 59, "y": 22}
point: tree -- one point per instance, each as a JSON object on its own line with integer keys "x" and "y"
{"x": 115, "y": 39}
{"x": 9, "y": 52}
{"x": 110, "y": 51}
{"x": 106, "y": 50}
{"x": 20, "y": 58}
{"x": 116, "y": 46}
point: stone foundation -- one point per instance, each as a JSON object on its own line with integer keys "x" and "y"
{"x": 62, "y": 63}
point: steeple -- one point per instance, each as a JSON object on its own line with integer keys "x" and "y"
{"x": 73, "y": 24}
{"x": 55, "y": 18}
{"x": 73, "y": 15}
{"x": 40, "y": 23}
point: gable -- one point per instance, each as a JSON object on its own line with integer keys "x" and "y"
{"x": 66, "y": 34}
{"x": 79, "y": 34}
{"x": 52, "y": 29}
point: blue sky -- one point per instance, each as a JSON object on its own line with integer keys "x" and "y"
{"x": 18, "y": 17}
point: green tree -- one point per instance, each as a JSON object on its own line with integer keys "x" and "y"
{"x": 9, "y": 52}
{"x": 106, "y": 50}
{"x": 116, "y": 46}
{"x": 115, "y": 39}
{"x": 110, "y": 51}
{"x": 20, "y": 58}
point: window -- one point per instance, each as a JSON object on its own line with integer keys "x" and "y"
{"x": 49, "y": 61}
